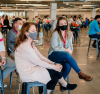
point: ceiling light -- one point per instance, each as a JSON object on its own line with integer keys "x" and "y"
{"x": 90, "y": 5}
{"x": 67, "y": 4}
{"x": 32, "y": 4}
{"x": 36, "y": 0}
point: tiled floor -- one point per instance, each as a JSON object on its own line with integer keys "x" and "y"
{"x": 89, "y": 65}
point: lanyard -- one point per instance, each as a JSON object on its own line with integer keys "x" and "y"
{"x": 32, "y": 45}
{"x": 15, "y": 31}
{"x": 64, "y": 40}
{"x": 1, "y": 40}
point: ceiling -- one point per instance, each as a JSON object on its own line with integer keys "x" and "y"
{"x": 86, "y": 5}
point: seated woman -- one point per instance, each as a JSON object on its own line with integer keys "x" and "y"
{"x": 61, "y": 49}
{"x": 32, "y": 66}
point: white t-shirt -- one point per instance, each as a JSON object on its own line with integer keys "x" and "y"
{"x": 2, "y": 47}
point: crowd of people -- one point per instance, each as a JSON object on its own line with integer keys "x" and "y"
{"x": 29, "y": 64}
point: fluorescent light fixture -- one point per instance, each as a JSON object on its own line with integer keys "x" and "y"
{"x": 17, "y": 9}
{"x": 36, "y": 0}
{"x": 93, "y": 0}
{"x": 67, "y": 4}
{"x": 89, "y": 5}
{"x": 32, "y": 4}
{"x": 77, "y": 2}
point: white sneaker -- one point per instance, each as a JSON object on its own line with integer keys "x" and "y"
{"x": 4, "y": 85}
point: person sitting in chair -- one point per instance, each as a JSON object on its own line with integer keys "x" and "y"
{"x": 5, "y": 62}
{"x": 12, "y": 34}
{"x": 75, "y": 27}
{"x": 94, "y": 29}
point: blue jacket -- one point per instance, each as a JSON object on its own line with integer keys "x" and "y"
{"x": 87, "y": 22}
{"x": 94, "y": 28}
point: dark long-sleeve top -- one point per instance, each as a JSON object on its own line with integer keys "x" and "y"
{"x": 6, "y": 22}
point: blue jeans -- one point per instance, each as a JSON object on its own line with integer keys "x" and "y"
{"x": 9, "y": 67}
{"x": 76, "y": 32}
{"x": 66, "y": 60}
{"x": 47, "y": 26}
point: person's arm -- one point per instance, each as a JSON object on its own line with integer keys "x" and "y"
{"x": 97, "y": 27}
{"x": 9, "y": 40}
{"x": 2, "y": 50}
{"x": 54, "y": 42}
{"x": 29, "y": 54}
{"x": 43, "y": 58}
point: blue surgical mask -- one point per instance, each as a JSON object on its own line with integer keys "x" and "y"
{"x": 47, "y": 17}
{"x": 33, "y": 36}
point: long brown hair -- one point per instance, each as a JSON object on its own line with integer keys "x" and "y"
{"x": 22, "y": 37}
{"x": 6, "y": 18}
{"x": 58, "y": 30}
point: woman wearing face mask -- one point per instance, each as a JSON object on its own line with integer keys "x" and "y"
{"x": 32, "y": 66}
{"x": 61, "y": 49}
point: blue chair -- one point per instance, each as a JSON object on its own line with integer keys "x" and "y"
{"x": 2, "y": 88}
{"x": 67, "y": 82}
{"x": 11, "y": 76}
{"x": 96, "y": 46}
{"x": 27, "y": 85}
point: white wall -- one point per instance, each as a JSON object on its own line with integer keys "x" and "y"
{"x": 31, "y": 15}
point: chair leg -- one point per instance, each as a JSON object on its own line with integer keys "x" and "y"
{"x": 79, "y": 37}
{"x": 27, "y": 89}
{"x": 19, "y": 88}
{"x": 11, "y": 76}
{"x": 52, "y": 92}
{"x": 15, "y": 87}
{"x": 33, "y": 91}
{"x": 89, "y": 47}
{"x": 68, "y": 82}
{"x": 97, "y": 49}
{"x": 45, "y": 89}
{"x": 2, "y": 91}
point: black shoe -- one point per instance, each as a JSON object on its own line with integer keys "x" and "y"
{"x": 69, "y": 87}
{"x": 94, "y": 46}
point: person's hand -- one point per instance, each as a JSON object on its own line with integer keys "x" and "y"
{"x": 69, "y": 51}
{"x": 58, "y": 67}
{"x": 3, "y": 62}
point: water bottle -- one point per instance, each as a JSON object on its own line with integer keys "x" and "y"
{"x": 41, "y": 37}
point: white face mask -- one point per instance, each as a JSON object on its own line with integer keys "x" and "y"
{"x": 20, "y": 26}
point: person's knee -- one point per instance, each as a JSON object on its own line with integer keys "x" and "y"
{"x": 67, "y": 56}
{"x": 10, "y": 62}
{"x": 55, "y": 78}
{"x": 67, "y": 68}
